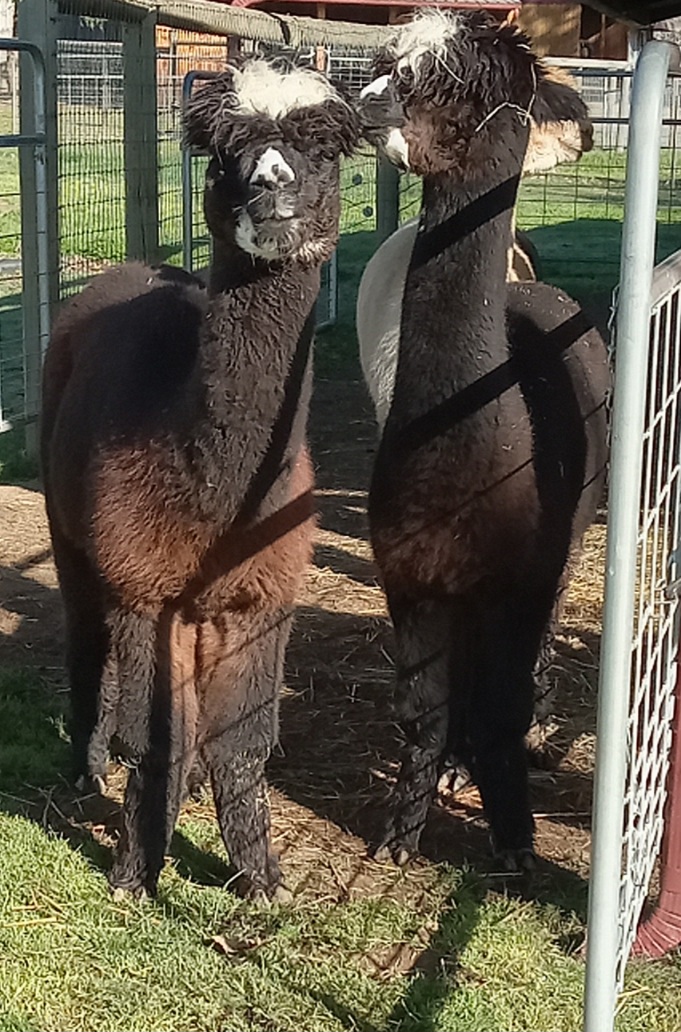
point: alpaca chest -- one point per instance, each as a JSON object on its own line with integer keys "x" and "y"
{"x": 152, "y": 552}
{"x": 448, "y": 513}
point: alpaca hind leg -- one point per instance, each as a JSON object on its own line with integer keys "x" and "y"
{"x": 499, "y": 715}
{"x": 542, "y": 752}
{"x": 87, "y": 643}
{"x": 157, "y": 781}
{"x": 241, "y": 728}
{"x": 424, "y": 644}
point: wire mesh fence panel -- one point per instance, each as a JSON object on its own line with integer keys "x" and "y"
{"x": 411, "y": 189}
{"x": 656, "y": 617}
{"x": 574, "y": 213}
{"x": 177, "y": 54}
{"x": 24, "y": 316}
{"x": 12, "y": 371}
{"x": 91, "y": 159}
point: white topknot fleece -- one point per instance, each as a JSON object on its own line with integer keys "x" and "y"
{"x": 264, "y": 90}
{"x": 428, "y": 33}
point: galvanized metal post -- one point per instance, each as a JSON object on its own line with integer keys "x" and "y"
{"x": 38, "y": 168}
{"x": 633, "y": 317}
{"x": 141, "y": 138}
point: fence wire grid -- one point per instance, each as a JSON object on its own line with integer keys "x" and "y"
{"x": 19, "y": 368}
{"x": 654, "y": 646}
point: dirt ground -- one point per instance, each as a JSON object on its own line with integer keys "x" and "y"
{"x": 338, "y": 746}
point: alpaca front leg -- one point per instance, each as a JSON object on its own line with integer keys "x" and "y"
{"x": 153, "y": 796}
{"x": 240, "y": 793}
{"x": 240, "y": 730}
{"x": 423, "y": 632}
{"x": 157, "y": 717}
{"x": 500, "y": 711}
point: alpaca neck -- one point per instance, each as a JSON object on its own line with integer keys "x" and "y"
{"x": 255, "y": 374}
{"x": 453, "y": 326}
{"x": 257, "y": 323}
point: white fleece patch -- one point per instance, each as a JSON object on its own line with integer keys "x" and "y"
{"x": 396, "y": 149}
{"x": 376, "y": 87}
{"x": 263, "y": 90}
{"x": 272, "y": 167}
{"x": 429, "y": 33}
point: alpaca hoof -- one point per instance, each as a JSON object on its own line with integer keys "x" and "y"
{"x": 516, "y": 861}
{"x": 282, "y": 895}
{"x": 454, "y": 780}
{"x": 382, "y": 854}
{"x": 257, "y": 893}
{"x": 91, "y": 784}
{"x": 394, "y": 851}
{"x": 120, "y": 895}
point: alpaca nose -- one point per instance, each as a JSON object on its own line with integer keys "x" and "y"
{"x": 272, "y": 170}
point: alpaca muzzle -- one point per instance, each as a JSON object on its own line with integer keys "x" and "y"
{"x": 379, "y": 107}
{"x": 381, "y": 115}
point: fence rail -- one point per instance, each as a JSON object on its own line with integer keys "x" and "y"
{"x": 24, "y": 301}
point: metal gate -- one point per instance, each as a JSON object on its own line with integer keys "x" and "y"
{"x": 24, "y": 293}
{"x": 638, "y": 675}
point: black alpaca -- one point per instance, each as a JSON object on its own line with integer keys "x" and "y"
{"x": 492, "y": 459}
{"x": 177, "y": 478}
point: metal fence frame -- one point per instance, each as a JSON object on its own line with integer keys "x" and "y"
{"x": 34, "y": 215}
{"x": 611, "y": 927}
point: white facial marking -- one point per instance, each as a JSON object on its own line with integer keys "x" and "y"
{"x": 272, "y": 167}
{"x": 429, "y": 32}
{"x": 397, "y": 149}
{"x": 375, "y": 87}
{"x": 246, "y": 238}
{"x": 263, "y": 90}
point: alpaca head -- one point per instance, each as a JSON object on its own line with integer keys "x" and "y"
{"x": 274, "y": 136}
{"x": 456, "y": 94}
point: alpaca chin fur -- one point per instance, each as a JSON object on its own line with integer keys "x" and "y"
{"x": 256, "y": 242}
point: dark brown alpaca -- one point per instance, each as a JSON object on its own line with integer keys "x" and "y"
{"x": 492, "y": 458}
{"x": 177, "y": 478}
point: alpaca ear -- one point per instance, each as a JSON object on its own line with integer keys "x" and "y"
{"x": 345, "y": 123}
{"x": 332, "y": 127}
{"x": 561, "y": 128}
{"x": 347, "y": 131}
{"x": 207, "y": 110}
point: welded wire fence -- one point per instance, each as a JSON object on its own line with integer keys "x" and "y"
{"x": 23, "y": 301}
{"x": 639, "y": 649}
{"x": 178, "y": 54}
{"x": 655, "y": 643}
{"x": 11, "y": 330}
{"x": 91, "y": 162}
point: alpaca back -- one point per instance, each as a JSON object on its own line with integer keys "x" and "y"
{"x": 563, "y": 370}
{"x": 118, "y": 351}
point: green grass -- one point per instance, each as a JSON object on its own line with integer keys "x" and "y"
{"x": 198, "y": 958}
{"x": 16, "y": 465}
